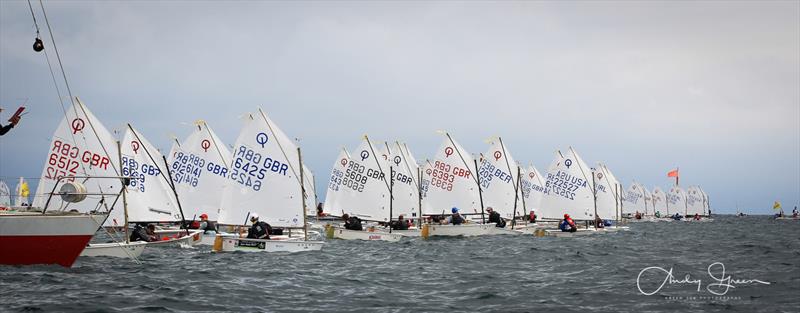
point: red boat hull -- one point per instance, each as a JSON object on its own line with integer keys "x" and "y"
{"x": 27, "y": 250}
{"x": 30, "y": 238}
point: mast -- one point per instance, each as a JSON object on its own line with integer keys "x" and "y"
{"x": 524, "y": 208}
{"x": 516, "y": 197}
{"x": 124, "y": 194}
{"x": 480, "y": 190}
{"x": 419, "y": 193}
{"x": 174, "y": 191}
{"x": 302, "y": 196}
{"x": 594, "y": 195}
{"x": 391, "y": 196}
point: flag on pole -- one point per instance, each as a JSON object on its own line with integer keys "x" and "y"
{"x": 24, "y": 190}
{"x": 673, "y": 173}
{"x": 776, "y": 206}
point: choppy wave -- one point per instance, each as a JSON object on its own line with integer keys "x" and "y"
{"x": 483, "y": 274}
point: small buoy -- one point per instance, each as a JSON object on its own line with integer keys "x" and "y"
{"x": 38, "y": 45}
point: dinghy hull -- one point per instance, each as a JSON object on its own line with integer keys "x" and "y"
{"x": 115, "y": 249}
{"x": 34, "y": 238}
{"x": 429, "y": 230}
{"x": 334, "y": 232}
{"x": 233, "y": 244}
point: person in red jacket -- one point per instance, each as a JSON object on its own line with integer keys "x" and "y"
{"x": 567, "y": 224}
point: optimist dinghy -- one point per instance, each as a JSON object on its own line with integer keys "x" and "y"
{"x": 266, "y": 178}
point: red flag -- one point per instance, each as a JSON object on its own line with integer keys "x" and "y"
{"x": 673, "y": 173}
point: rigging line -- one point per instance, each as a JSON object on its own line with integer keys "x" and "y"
{"x": 575, "y": 154}
{"x": 58, "y": 56}
{"x": 455, "y": 147}
{"x": 408, "y": 167}
{"x": 263, "y": 115}
{"x": 52, "y": 73}
{"x": 211, "y": 135}
{"x": 502, "y": 146}
{"x": 135, "y": 134}
{"x": 377, "y": 163}
{"x": 34, "y": 19}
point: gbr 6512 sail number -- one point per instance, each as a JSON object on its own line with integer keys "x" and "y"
{"x": 65, "y": 159}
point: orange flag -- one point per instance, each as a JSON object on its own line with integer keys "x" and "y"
{"x": 673, "y": 173}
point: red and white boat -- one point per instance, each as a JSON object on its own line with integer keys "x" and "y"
{"x": 53, "y": 238}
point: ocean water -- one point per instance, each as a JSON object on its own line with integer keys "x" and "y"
{"x": 596, "y": 273}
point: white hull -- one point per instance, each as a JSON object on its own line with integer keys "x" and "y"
{"x": 346, "y": 234}
{"x": 115, "y": 249}
{"x": 579, "y": 233}
{"x": 231, "y": 244}
{"x": 173, "y": 239}
{"x": 505, "y": 231}
{"x": 787, "y": 218}
{"x": 614, "y": 228}
{"x": 429, "y": 230}
{"x": 411, "y": 232}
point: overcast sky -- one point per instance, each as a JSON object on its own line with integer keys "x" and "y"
{"x": 710, "y": 87}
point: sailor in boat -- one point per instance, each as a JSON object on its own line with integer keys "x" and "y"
{"x": 599, "y": 222}
{"x": 696, "y": 216}
{"x": 658, "y": 214}
{"x": 567, "y": 224}
{"x": 207, "y": 226}
{"x": 532, "y": 217}
{"x": 494, "y": 217}
{"x": 142, "y": 234}
{"x": 677, "y": 217}
{"x": 794, "y": 212}
{"x": 638, "y": 215}
{"x": 455, "y": 218}
{"x": 259, "y": 230}
{"x": 320, "y": 212}
{"x": 352, "y": 222}
{"x": 400, "y": 224}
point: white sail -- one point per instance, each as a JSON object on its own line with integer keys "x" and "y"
{"x": 648, "y": 202}
{"x": 5, "y": 196}
{"x": 261, "y": 179}
{"x": 676, "y": 201}
{"x": 695, "y": 203}
{"x": 311, "y": 191}
{"x": 335, "y": 187}
{"x": 659, "y": 202}
{"x": 365, "y": 188}
{"x": 410, "y": 161}
{"x": 149, "y": 196}
{"x": 289, "y": 151}
{"x": 425, "y": 182}
{"x": 605, "y": 193}
{"x": 81, "y": 146}
{"x": 616, "y": 191}
{"x": 498, "y": 178}
{"x": 533, "y": 189}
{"x": 200, "y": 172}
{"x": 452, "y": 181}
{"x": 635, "y": 199}
{"x": 706, "y": 203}
{"x": 405, "y": 196}
{"x": 568, "y": 188}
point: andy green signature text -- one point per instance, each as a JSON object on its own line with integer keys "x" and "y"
{"x": 720, "y": 282}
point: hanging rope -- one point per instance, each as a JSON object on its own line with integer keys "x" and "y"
{"x": 37, "y": 43}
